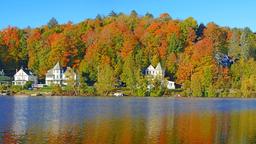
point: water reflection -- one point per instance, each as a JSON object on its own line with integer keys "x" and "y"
{"x": 20, "y": 116}
{"x": 64, "y": 120}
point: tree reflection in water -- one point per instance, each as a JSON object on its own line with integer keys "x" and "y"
{"x": 131, "y": 121}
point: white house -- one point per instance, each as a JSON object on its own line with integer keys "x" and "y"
{"x": 170, "y": 85}
{"x": 57, "y": 76}
{"x": 155, "y": 72}
{"x": 23, "y": 76}
{"x": 159, "y": 72}
{"x": 54, "y": 75}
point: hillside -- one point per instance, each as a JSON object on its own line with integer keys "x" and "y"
{"x": 117, "y": 48}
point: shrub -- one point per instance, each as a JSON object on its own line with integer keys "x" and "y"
{"x": 56, "y": 90}
{"x": 28, "y": 85}
{"x": 84, "y": 89}
{"x": 3, "y": 88}
{"x": 15, "y": 88}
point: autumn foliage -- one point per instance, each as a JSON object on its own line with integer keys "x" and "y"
{"x": 185, "y": 49}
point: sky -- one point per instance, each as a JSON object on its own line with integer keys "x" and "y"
{"x": 35, "y": 13}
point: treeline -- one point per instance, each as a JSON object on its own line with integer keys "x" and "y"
{"x": 113, "y": 50}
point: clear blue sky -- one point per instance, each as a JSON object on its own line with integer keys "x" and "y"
{"x": 23, "y": 13}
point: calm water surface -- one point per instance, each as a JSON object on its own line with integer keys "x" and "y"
{"x": 95, "y": 120}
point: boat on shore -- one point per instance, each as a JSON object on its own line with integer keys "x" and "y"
{"x": 118, "y": 94}
{"x": 5, "y": 93}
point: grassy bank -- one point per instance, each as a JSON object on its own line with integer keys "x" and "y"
{"x": 91, "y": 91}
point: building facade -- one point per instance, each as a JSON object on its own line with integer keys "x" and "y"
{"x": 58, "y": 76}
{"x": 54, "y": 75}
{"x": 159, "y": 73}
{"x": 23, "y": 76}
{"x": 155, "y": 72}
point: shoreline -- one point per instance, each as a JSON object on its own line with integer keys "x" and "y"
{"x": 174, "y": 97}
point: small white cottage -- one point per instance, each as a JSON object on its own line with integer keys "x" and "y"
{"x": 155, "y": 72}
{"x": 170, "y": 85}
{"x": 158, "y": 72}
{"x": 23, "y": 76}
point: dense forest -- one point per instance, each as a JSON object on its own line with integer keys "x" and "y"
{"x": 114, "y": 49}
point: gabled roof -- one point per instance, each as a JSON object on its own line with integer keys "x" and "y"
{"x": 69, "y": 70}
{"x": 49, "y": 72}
{"x": 26, "y": 71}
{"x": 150, "y": 68}
{"x": 158, "y": 67}
{"x": 4, "y": 78}
{"x": 57, "y": 66}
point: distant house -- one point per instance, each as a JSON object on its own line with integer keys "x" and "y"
{"x": 58, "y": 76}
{"x": 155, "y": 72}
{"x": 54, "y": 75}
{"x": 158, "y": 72}
{"x": 171, "y": 85}
{"x": 23, "y": 76}
{"x": 3, "y": 78}
{"x": 69, "y": 76}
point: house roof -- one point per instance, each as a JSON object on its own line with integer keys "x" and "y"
{"x": 49, "y": 72}
{"x": 150, "y": 68}
{"x": 69, "y": 70}
{"x": 4, "y": 78}
{"x": 57, "y": 66}
{"x": 158, "y": 67}
{"x": 28, "y": 72}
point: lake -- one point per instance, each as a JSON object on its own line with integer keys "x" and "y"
{"x": 123, "y": 120}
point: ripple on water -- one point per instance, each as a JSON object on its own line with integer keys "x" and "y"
{"x": 64, "y": 120}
